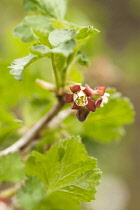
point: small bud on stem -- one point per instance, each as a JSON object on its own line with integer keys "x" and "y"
{"x": 46, "y": 85}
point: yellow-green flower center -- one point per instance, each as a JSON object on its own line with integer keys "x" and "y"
{"x": 80, "y": 98}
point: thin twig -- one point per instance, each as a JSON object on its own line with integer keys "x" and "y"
{"x": 56, "y": 121}
{"x": 11, "y": 191}
{"x": 35, "y": 130}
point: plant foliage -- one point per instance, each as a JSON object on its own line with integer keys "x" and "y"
{"x": 55, "y": 174}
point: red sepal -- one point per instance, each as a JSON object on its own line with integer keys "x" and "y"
{"x": 75, "y": 88}
{"x": 100, "y": 90}
{"x": 91, "y": 105}
{"x": 68, "y": 98}
{"x": 98, "y": 103}
{"x": 88, "y": 91}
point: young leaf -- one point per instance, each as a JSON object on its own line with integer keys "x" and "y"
{"x": 24, "y": 30}
{"x": 86, "y": 32}
{"x": 40, "y": 50}
{"x": 51, "y": 8}
{"x": 81, "y": 31}
{"x": 32, "y": 194}
{"x": 58, "y": 36}
{"x": 12, "y": 168}
{"x": 82, "y": 59}
{"x": 42, "y": 36}
{"x": 109, "y": 120}
{"x": 65, "y": 49}
{"x": 60, "y": 24}
{"x": 66, "y": 167}
{"x": 20, "y": 64}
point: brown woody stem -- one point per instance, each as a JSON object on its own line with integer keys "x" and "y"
{"x": 24, "y": 141}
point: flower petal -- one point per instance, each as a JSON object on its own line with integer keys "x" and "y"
{"x": 98, "y": 103}
{"x": 68, "y": 98}
{"x": 88, "y": 91}
{"x": 75, "y": 106}
{"x": 75, "y": 88}
{"x": 91, "y": 105}
{"x": 100, "y": 90}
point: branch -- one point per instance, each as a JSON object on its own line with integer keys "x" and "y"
{"x": 35, "y": 130}
{"x": 56, "y": 121}
{"x": 11, "y": 191}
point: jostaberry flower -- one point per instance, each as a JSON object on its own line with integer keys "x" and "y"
{"x": 86, "y": 99}
{"x": 81, "y": 98}
{"x": 82, "y": 101}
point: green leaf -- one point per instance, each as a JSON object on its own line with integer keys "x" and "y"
{"x": 81, "y": 31}
{"x": 32, "y": 193}
{"x": 33, "y": 196}
{"x": 51, "y": 8}
{"x": 8, "y": 124}
{"x": 58, "y": 36}
{"x": 108, "y": 121}
{"x": 59, "y": 201}
{"x": 19, "y": 65}
{"x": 82, "y": 59}
{"x": 12, "y": 169}
{"x": 86, "y": 32}
{"x": 66, "y": 167}
{"x": 42, "y": 36}
{"x": 40, "y": 50}
{"x": 24, "y": 30}
{"x": 60, "y": 24}
{"x": 65, "y": 49}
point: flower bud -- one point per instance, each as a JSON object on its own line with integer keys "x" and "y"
{"x": 46, "y": 85}
{"x": 82, "y": 114}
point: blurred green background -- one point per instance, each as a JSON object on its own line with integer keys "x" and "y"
{"x": 114, "y": 55}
